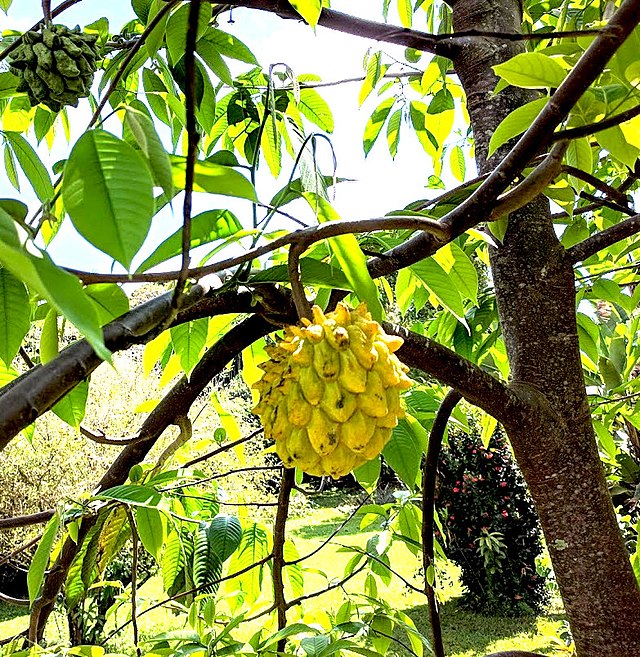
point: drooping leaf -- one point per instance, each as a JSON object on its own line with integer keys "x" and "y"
{"x": 403, "y": 454}
{"x": 436, "y": 279}
{"x": 132, "y": 494}
{"x": 229, "y": 45}
{"x": 207, "y": 567}
{"x": 309, "y": 10}
{"x": 225, "y": 534}
{"x": 98, "y": 183}
{"x": 40, "y": 560}
{"x": 393, "y": 132}
{"x": 515, "y": 123}
{"x": 375, "y": 123}
{"x": 150, "y": 144}
{"x": 188, "y": 341}
{"x": 312, "y": 272}
{"x": 176, "y": 30}
{"x": 31, "y": 165}
{"x": 71, "y": 407}
{"x": 151, "y": 527}
{"x": 316, "y": 109}
{"x": 461, "y": 271}
{"x": 109, "y": 300}
{"x": 15, "y": 315}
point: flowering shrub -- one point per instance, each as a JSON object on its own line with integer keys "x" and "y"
{"x": 491, "y": 527}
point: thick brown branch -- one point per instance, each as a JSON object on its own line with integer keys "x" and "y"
{"x": 429, "y": 475}
{"x": 603, "y": 239}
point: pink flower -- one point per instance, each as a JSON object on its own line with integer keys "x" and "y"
{"x": 505, "y": 514}
{"x": 503, "y": 484}
{"x": 456, "y": 489}
{"x": 489, "y": 455}
{"x": 474, "y": 451}
{"x": 474, "y": 479}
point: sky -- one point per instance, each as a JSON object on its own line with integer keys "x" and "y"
{"x": 381, "y": 183}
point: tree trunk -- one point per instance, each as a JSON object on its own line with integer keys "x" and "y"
{"x": 555, "y": 445}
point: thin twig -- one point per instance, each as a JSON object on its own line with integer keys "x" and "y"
{"x": 25, "y": 546}
{"x": 25, "y": 521}
{"x": 134, "y": 580}
{"x": 331, "y": 587}
{"x": 429, "y": 474}
{"x": 279, "y": 537}
{"x": 602, "y": 124}
{"x": 614, "y": 400}
{"x": 26, "y": 358}
{"x": 223, "y": 448}
{"x": 308, "y": 235}
{"x": 613, "y": 193}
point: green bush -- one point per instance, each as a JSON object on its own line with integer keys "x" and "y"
{"x": 491, "y": 527}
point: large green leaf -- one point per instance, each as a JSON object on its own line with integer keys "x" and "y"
{"x": 207, "y": 566}
{"x": 531, "y": 70}
{"x": 205, "y": 227}
{"x": 172, "y": 560}
{"x": 61, "y": 289}
{"x": 516, "y": 123}
{"x": 108, "y": 192}
{"x": 15, "y": 315}
{"x": 109, "y": 300}
{"x": 310, "y": 10}
{"x": 213, "y": 178}
{"x": 350, "y": 257}
{"x": 34, "y": 170}
{"x": 457, "y": 264}
{"x": 40, "y": 560}
{"x": 436, "y": 279}
{"x": 229, "y": 45}
{"x": 176, "y": 31}
{"x": 211, "y": 56}
{"x": 375, "y": 123}
{"x": 150, "y": 144}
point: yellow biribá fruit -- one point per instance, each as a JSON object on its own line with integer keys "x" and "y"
{"x": 330, "y": 393}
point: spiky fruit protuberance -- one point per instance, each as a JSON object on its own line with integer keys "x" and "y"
{"x": 330, "y": 393}
{"x": 56, "y": 66}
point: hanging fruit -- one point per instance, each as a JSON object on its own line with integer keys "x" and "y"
{"x": 330, "y": 393}
{"x": 55, "y": 67}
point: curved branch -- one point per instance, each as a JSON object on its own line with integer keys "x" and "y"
{"x": 613, "y": 193}
{"x": 10, "y": 600}
{"x": 603, "y": 239}
{"x": 308, "y": 236}
{"x": 429, "y": 475}
{"x": 279, "y": 538}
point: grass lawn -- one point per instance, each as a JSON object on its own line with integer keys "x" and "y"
{"x": 465, "y": 634}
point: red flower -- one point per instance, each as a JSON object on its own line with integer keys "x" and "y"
{"x": 505, "y": 514}
{"x": 456, "y": 489}
{"x": 489, "y": 455}
{"x": 503, "y": 484}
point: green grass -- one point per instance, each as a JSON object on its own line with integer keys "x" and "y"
{"x": 466, "y": 634}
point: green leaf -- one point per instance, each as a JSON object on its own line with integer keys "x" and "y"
{"x": 579, "y": 155}
{"x": 109, "y": 300}
{"x": 614, "y": 141}
{"x": 176, "y": 31}
{"x": 350, "y": 257}
{"x": 314, "y": 646}
{"x": 393, "y": 132}
{"x": 172, "y": 560}
{"x": 34, "y": 170}
{"x": 458, "y": 266}
{"x": 49, "y": 348}
{"x": 368, "y": 473}
{"x": 98, "y": 183}
{"x": 457, "y": 163}
{"x": 206, "y": 227}
{"x": 312, "y": 272}
{"x": 5, "y": 4}
{"x": 61, "y": 289}
{"x": 132, "y": 494}
{"x": 436, "y": 279}
{"x": 213, "y": 178}
{"x": 225, "y": 534}
{"x": 403, "y": 454}
{"x": 15, "y": 315}
{"x": 141, "y": 7}
{"x": 531, "y": 70}
{"x": 71, "y": 408}
{"x": 516, "y": 123}
{"x": 40, "y": 560}
{"x": 8, "y": 83}
{"x": 441, "y": 102}
{"x": 310, "y": 10}
{"x": 150, "y": 144}
{"x": 405, "y": 11}
{"x": 315, "y": 108}
{"x": 375, "y": 123}
{"x": 151, "y": 527}
{"x": 229, "y": 46}
{"x": 209, "y": 52}
{"x": 188, "y": 341}
{"x": 10, "y": 167}
{"x": 207, "y": 567}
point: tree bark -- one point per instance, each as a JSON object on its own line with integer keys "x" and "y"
{"x": 554, "y": 443}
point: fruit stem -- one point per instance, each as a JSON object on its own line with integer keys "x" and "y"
{"x": 46, "y": 12}
{"x": 303, "y": 306}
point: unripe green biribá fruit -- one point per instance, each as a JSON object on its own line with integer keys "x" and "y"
{"x": 330, "y": 393}
{"x": 55, "y": 66}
